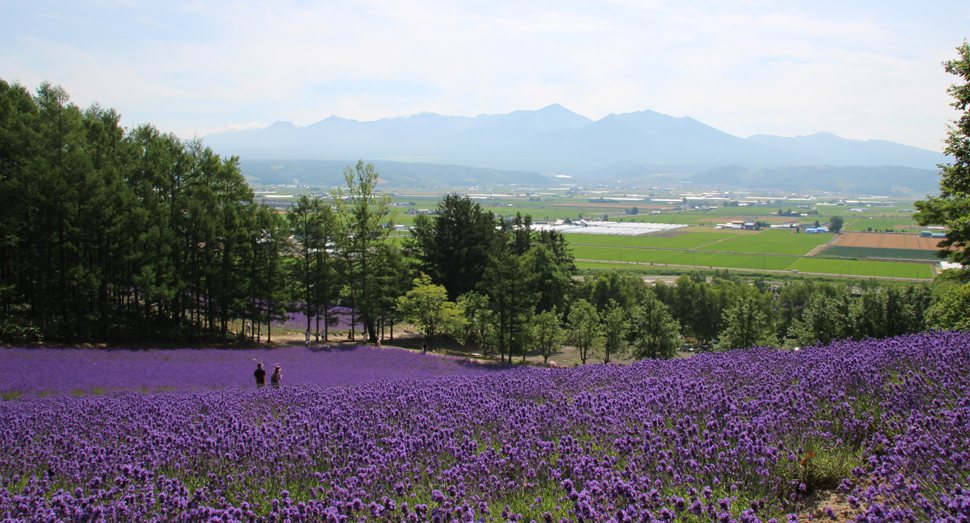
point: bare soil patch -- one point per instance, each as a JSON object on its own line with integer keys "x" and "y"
{"x": 827, "y": 505}
{"x": 407, "y": 337}
{"x": 886, "y": 240}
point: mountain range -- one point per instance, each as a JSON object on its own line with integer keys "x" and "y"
{"x": 555, "y": 140}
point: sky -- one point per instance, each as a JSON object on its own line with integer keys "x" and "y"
{"x": 860, "y": 69}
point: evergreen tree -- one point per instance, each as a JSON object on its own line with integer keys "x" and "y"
{"x": 508, "y": 284}
{"x": 824, "y": 319}
{"x": 453, "y": 246}
{"x": 746, "y": 326}
{"x": 653, "y": 331}
{"x": 868, "y": 315}
{"x": 614, "y": 328}
{"x": 918, "y": 299}
{"x": 895, "y": 316}
{"x": 552, "y": 281}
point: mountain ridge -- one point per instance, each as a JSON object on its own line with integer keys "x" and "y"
{"x": 556, "y": 140}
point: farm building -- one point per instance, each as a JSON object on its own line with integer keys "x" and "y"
{"x": 608, "y": 228}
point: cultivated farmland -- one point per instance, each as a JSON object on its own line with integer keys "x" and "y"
{"x": 730, "y": 260}
{"x": 863, "y": 222}
{"x": 885, "y": 240}
{"x": 624, "y": 254}
{"x": 679, "y": 239}
{"x": 864, "y": 268}
{"x": 875, "y": 252}
{"x": 778, "y": 250}
{"x": 771, "y": 242}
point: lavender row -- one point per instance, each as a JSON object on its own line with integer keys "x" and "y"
{"x": 298, "y": 321}
{"x": 85, "y": 371}
{"x": 740, "y": 436}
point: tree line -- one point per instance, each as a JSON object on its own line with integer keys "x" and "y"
{"x": 109, "y": 234}
{"x": 610, "y": 315}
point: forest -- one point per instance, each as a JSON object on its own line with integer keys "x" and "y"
{"x": 112, "y": 235}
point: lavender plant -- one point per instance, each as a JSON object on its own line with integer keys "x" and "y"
{"x": 738, "y": 436}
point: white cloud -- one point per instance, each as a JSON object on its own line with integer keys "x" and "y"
{"x": 769, "y": 66}
{"x": 224, "y": 128}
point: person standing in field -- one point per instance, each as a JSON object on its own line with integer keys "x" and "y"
{"x": 260, "y": 376}
{"x": 424, "y": 347}
{"x": 277, "y": 378}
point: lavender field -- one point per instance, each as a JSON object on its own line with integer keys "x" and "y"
{"x": 742, "y": 436}
{"x": 298, "y": 321}
{"x": 96, "y": 371}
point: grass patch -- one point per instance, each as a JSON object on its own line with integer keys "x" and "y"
{"x": 9, "y": 395}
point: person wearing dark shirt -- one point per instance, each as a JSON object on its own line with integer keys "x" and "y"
{"x": 260, "y": 375}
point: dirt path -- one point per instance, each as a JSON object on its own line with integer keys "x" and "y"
{"x": 819, "y": 248}
{"x": 827, "y": 505}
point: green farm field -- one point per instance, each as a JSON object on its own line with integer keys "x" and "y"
{"x": 771, "y": 242}
{"x": 776, "y": 244}
{"x": 876, "y": 252}
{"x": 623, "y": 254}
{"x": 862, "y": 223}
{"x": 805, "y": 266}
{"x": 690, "y": 258}
{"x": 731, "y": 260}
{"x": 864, "y": 268}
{"x": 689, "y": 240}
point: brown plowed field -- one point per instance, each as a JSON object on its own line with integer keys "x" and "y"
{"x": 886, "y": 240}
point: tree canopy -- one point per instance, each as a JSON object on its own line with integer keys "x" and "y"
{"x": 952, "y": 207}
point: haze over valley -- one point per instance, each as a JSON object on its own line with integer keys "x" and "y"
{"x": 528, "y": 147}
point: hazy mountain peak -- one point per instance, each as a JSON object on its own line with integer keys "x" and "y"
{"x": 556, "y": 139}
{"x": 282, "y": 125}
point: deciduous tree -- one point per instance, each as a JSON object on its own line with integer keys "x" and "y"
{"x": 427, "y": 307}
{"x": 366, "y": 223}
{"x": 547, "y": 334}
{"x": 952, "y": 207}
{"x": 584, "y": 329}
{"x": 835, "y": 224}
